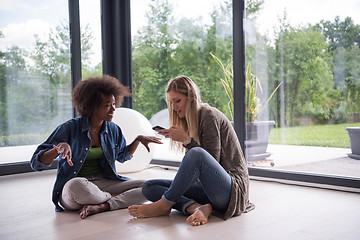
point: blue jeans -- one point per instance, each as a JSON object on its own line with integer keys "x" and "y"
{"x": 200, "y": 179}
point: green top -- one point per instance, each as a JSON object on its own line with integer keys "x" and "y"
{"x": 91, "y": 165}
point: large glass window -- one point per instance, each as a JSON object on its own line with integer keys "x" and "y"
{"x": 307, "y": 54}
{"x": 35, "y": 83}
{"x": 172, "y": 38}
{"x": 301, "y": 71}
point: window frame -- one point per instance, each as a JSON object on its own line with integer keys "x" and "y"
{"x": 116, "y": 46}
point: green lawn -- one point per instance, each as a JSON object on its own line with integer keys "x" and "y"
{"x": 318, "y": 135}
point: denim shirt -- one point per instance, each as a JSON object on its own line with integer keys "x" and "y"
{"x": 76, "y": 133}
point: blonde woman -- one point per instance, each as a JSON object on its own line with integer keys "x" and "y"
{"x": 213, "y": 174}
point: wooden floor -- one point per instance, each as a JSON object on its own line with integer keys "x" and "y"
{"x": 282, "y": 212}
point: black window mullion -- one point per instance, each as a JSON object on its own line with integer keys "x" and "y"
{"x": 75, "y": 43}
{"x": 116, "y": 42}
{"x": 239, "y": 71}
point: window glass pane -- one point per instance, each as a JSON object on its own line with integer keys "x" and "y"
{"x": 172, "y": 38}
{"x": 90, "y": 28}
{"x": 35, "y": 82}
{"x": 307, "y": 53}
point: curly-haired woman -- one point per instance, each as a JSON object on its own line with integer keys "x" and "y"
{"x": 213, "y": 174}
{"x": 87, "y": 148}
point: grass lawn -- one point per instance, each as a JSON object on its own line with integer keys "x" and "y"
{"x": 318, "y": 135}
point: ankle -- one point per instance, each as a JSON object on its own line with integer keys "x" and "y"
{"x": 192, "y": 208}
{"x": 104, "y": 206}
{"x": 164, "y": 205}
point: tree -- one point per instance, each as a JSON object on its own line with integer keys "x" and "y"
{"x": 306, "y": 74}
{"x": 3, "y": 93}
{"x": 12, "y": 60}
{"x": 252, "y": 8}
{"x": 31, "y": 83}
{"x": 166, "y": 48}
{"x": 343, "y": 38}
{"x": 352, "y": 86}
{"x": 340, "y": 33}
{"x": 22, "y": 106}
{"x": 152, "y": 58}
{"x": 193, "y": 57}
{"x": 52, "y": 57}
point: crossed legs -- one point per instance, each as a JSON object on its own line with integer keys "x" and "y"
{"x": 200, "y": 185}
{"x": 99, "y": 195}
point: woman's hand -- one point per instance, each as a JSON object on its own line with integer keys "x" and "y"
{"x": 65, "y": 149}
{"x": 176, "y": 133}
{"x": 145, "y": 140}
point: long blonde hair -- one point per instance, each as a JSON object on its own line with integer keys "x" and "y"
{"x": 184, "y": 85}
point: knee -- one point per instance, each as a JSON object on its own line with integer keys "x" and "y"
{"x": 147, "y": 188}
{"x": 137, "y": 183}
{"x": 196, "y": 150}
{"x": 76, "y": 184}
{"x": 195, "y": 154}
{"x": 155, "y": 188}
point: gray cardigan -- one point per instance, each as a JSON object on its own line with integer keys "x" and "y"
{"x": 217, "y": 136}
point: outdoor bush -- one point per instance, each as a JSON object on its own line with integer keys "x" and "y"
{"x": 22, "y": 139}
{"x": 340, "y": 115}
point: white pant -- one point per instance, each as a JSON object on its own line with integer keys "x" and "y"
{"x": 80, "y": 191}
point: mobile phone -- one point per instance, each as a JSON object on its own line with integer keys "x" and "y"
{"x": 157, "y": 128}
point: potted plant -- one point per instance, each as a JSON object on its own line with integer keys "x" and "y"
{"x": 257, "y": 132}
{"x": 354, "y": 135}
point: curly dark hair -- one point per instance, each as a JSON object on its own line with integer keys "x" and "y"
{"x": 89, "y": 93}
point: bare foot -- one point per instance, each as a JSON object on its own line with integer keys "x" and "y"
{"x": 93, "y": 209}
{"x": 200, "y": 215}
{"x": 155, "y": 209}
